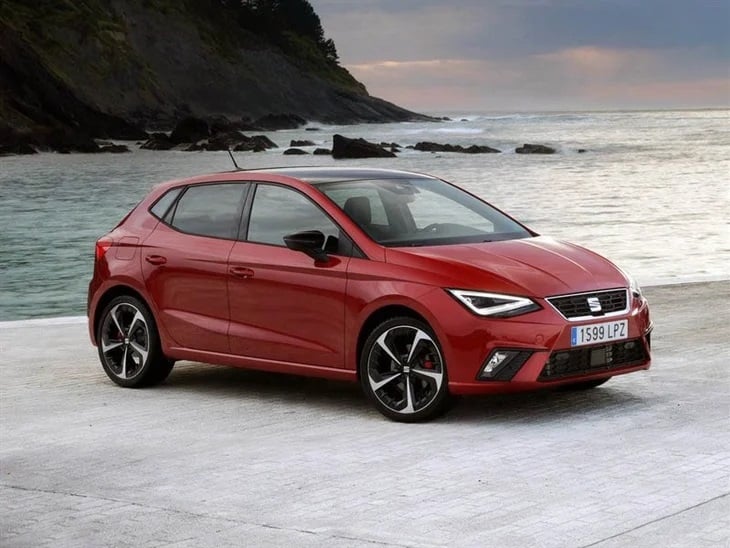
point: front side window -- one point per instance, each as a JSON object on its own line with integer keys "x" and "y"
{"x": 278, "y": 211}
{"x": 210, "y": 210}
{"x": 420, "y": 211}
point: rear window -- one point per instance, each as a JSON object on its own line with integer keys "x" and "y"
{"x": 210, "y": 210}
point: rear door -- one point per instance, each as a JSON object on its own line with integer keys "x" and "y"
{"x": 284, "y": 305}
{"x": 185, "y": 264}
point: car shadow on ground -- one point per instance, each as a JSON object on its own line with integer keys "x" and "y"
{"x": 545, "y": 405}
{"x": 524, "y": 407}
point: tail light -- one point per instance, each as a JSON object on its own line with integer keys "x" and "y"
{"x": 102, "y": 245}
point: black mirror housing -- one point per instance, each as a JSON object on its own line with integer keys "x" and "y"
{"x": 310, "y": 242}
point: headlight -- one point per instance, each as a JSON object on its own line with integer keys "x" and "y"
{"x": 495, "y": 305}
{"x": 633, "y": 285}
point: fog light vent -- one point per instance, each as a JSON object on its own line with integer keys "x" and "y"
{"x": 502, "y": 364}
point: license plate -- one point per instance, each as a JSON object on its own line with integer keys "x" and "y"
{"x": 599, "y": 332}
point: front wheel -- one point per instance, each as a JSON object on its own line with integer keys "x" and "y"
{"x": 129, "y": 344}
{"x": 402, "y": 371}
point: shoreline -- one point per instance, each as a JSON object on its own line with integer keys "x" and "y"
{"x": 75, "y": 320}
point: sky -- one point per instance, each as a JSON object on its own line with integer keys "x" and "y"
{"x": 506, "y": 55}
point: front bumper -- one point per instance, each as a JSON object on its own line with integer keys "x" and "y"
{"x": 469, "y": 341}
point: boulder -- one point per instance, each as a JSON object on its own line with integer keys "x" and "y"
{"x": 427, "y": 146}
{"x": 190, "y": 130}
{"x": 312, "y": 129}
{"x": 343, "y": 147}
{"x": 264, "y": 141}
{"x": 534, "y": 149}
{"x": 294, "y": 151}
{"x": 304, "y": 143}
{"x": 322, "y": 152}
{"x": 581, "y": 150}
{"x": 480, "y": 149}
{"x": 272, "y": 122}
{"x": 225, "y": 140}
{"x": 257, "y": 143}
{"x": 158, "y": 141}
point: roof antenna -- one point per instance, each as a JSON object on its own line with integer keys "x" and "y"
{"x": 233, "y": 159}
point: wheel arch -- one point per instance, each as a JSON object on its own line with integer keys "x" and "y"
{"x": 379, "y": 316}
{"x": 110, "y": 294}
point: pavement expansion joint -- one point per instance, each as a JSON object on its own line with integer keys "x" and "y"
{"x": 656, "y": 520}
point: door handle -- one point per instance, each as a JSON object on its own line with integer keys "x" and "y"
{"x": 155, "y": 259}
{"x": 241, "y": 272}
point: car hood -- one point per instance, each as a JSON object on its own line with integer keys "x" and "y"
{"x": 537, "y": 266}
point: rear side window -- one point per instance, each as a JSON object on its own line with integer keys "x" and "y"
{"x": 162, "y": 205}
{"x": 210, "y": 210}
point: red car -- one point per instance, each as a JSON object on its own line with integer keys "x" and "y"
{"x": 401, "y": 281}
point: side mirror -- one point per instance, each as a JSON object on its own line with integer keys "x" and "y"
{"x": 310, "y": 242}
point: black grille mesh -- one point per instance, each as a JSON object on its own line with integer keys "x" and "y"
{"x": 576, "y": 306}
{"x": 581, "y": 361}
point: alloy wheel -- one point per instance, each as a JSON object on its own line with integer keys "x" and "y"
{"x": 405, "y": 370}
{"x": 125, "y": 340}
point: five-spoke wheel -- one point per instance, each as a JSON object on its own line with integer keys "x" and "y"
{"x": 129, "y": 345}
{"x": 403, "y": 372}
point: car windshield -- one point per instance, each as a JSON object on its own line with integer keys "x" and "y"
{"x": 420, "y": 211}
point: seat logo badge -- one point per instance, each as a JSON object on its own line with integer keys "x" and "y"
{"x": 594, "y": 304}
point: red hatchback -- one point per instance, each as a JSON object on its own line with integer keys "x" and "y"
{"x": 400, "y": 280}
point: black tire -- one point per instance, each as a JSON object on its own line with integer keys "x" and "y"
{"x": 412, "y": 388}
{"x": 584, "y": 385}
{"x": 129, "y": 344}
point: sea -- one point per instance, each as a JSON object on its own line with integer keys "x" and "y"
{"x": 651, "y": 191}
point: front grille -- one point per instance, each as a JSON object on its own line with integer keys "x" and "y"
{"x": 582, "y": 361}
{"x": 577, "y": 306}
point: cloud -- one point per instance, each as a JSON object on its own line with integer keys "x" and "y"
{"x": 585, "y": 78}
{"x": 535, "y": 53}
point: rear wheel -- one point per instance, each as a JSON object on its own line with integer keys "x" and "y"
{"x": 403, "y": 372}
{"x": 129, "y": 344}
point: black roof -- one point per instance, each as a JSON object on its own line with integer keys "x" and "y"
{"x": 314, "y": 175}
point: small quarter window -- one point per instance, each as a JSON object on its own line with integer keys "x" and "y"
{"x": 162, "y": 205}
{"x": 210, "y": 210}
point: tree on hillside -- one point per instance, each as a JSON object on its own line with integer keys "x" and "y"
{"x": 272, "y": 18}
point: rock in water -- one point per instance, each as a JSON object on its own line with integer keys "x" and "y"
{"x": 294, "y": 151}
{"x": 322, "y": 152}
{"x": 427, "y": 146}
{"x": 190, "y": 130}
{"x": 343, "y": 147}
{"x": 534, "y": 149}
{"x": 303, "y": 143}
{"x": 158, "y": 141}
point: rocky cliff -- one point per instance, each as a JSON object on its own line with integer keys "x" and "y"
{"x": 109, "y": 68}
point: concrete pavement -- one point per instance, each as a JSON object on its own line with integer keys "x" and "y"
{"x": 225, "y": 457}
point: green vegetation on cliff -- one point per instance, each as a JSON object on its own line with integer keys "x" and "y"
{"x": 89, "y": 63}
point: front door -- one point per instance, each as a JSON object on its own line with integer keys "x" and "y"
{"x": 284, "y": 305}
